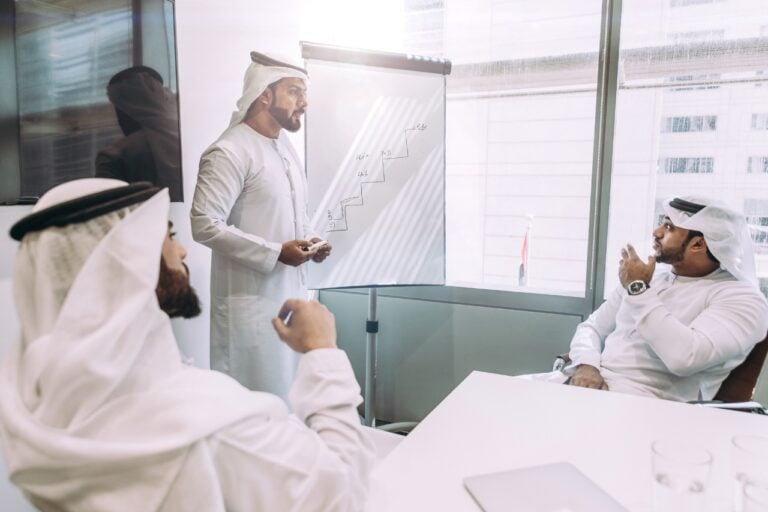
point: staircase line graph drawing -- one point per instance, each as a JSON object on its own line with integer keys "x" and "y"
{"x": 339, "y": 222}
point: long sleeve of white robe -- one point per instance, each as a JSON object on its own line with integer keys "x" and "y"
{"x": 277, "y": 463}
{"x": 587, "y": 342}
{"x": 224, "y": 169}
{"x": 678, "y": 340}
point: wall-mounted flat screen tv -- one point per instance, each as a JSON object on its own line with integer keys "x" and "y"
{"x": 89, "y": 89}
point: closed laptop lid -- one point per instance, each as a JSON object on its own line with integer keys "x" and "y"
{"x": 558, "y": 487}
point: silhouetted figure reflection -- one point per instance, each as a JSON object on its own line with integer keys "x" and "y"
{"x": 148, "y": 116}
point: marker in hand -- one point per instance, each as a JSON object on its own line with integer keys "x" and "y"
{"x": 315, "y": 246}
{"x": 286, "y": 317}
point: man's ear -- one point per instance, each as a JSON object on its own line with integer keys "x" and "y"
{"x": 263, "y": 101}
{"x": 266, "y": 97}
{"x": 698, "y": 244}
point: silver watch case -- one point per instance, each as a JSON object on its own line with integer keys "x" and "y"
{"x": 636, "y": 287}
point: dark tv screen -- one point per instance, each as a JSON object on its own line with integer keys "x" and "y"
{"x": 95, "y": 93}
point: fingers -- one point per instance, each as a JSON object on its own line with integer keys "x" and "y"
{"x": 587, "y": 383}
{"x": 280, "y": 327}
{"x": 631, "y": 251}
{"x": 288, "y": 306}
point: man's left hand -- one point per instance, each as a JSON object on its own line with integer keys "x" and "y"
{"x": 632, "y": 268}
{"x": 322, "y": 252}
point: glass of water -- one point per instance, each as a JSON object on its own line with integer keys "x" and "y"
{"x": 749, "y": 461}
{"x": 755, "y": 498}
{"x": 680, "y": 476}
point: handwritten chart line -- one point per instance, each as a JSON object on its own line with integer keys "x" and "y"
{"x": 333, "y": 222}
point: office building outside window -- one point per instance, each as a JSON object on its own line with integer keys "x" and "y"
{"x": 690, "y": 165}
{"x": 689, "y": 124}
{"x": 687, "y": 3}
{"x": 758, "y": 164}
{"x": 756, "y": 211}
{"x": 760, "y": 121}
{"x": 689, "y": 67}
{"x": 520, "y": 124}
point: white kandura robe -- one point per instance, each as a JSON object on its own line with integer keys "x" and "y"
{"x": 250, "y": 198}
{"x": 97, "y": 412}
{"x": 678, "y": 340}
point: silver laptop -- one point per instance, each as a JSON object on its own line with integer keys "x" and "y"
{"x": 556, "y": 487}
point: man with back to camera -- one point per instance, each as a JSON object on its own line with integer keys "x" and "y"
{"x": 250, "y": 208}
{"x": 97, "y": 412}
{"x": 677, "y": 333}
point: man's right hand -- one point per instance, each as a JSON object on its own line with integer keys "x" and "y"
{"x": 293, "y": 253}
{"x": 309, "y": 326}
{"x": 587, "y": 376}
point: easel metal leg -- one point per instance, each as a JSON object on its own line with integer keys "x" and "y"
{"x": 371, "y": 329}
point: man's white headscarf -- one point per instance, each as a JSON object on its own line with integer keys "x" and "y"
{"x": 97, "y": 411}
{"x": 724, "y": 230}
{"x": 263, "y": 71}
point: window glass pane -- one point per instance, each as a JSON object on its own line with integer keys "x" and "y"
{"x": 692, "y": 116}
{"x": 520, "y": 125}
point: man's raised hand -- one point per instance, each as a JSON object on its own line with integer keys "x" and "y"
{"x": 305, "y": 325}
{"x": 632, "y": 268}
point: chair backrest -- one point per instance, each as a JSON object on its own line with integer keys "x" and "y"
{"x": 739, "y": 386}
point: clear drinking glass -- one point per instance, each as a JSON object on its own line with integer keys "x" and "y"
{"x": 749, "y": 461}
{"x": 680, "y": 476}
{"x": 755, "y": 498}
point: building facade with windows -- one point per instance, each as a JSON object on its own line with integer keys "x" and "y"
{"x": 691, "y": 118}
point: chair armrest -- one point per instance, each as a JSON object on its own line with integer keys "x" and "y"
{"x": 750, "y": 406}
{"x": 561, "y": 362}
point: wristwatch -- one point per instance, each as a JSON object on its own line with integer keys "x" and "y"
{"x": 636, "y": 287}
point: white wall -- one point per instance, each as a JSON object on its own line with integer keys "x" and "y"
{"x": 10, "y": 497}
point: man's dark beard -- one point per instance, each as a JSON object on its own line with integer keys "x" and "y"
{"x": 283, "y": 119}
{"x": 671, "y": 256}
{"x": 174, "y": 293}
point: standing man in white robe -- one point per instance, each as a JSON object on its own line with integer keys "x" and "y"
{"x": 97, "y": 411}
{"x": 250, "y": 208}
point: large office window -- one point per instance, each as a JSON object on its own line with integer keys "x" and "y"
{"x": 691, "y": 118}
{"x": 702, "y": 92}
{"x": 520, "y": 124}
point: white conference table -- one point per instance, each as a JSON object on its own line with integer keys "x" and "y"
{"x": 494, "y": 423}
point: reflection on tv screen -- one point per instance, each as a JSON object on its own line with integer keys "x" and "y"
{"x": 97, "y": 93}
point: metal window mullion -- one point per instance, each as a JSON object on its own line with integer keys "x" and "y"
{"x": 137, "y": 14}
{"x": 605, "y": 117}
{"x": 10, "y": 149}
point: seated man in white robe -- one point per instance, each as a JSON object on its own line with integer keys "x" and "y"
{"x": 97, "y": 412}
{"x": 675, "y": 333}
